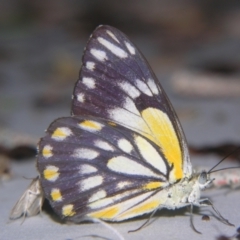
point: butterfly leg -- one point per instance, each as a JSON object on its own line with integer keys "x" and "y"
{"x": 206, "y": 202}
{"x": 191, "y": 219}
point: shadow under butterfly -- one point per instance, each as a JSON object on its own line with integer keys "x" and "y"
{"x": 122, "y": 153}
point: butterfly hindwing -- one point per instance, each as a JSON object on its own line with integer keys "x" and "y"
{"x": 89, "y": 166}
{"x": 117, "y": 84}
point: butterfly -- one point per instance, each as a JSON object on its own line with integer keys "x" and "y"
{"x": 122, "y": 153}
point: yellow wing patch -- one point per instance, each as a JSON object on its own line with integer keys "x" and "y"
{"x": 61, "y": 133}
{"x": 51, "y": 173}
{"x": 56, "y": 195}
{"x": 129, "y": 208}
{"x": 107, "y": 213}
{"x": 47, "y": 151}
{"x": 68, "y": 211}
{"x": 152, "y": 185}
{"x": 164, "y": 135}
{"x": 112, "y": 124}
{"x": 91, "y": 125}
{"x": 140, "y": 209}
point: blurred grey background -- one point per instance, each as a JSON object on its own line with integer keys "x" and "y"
{"x": 41, "y": 45}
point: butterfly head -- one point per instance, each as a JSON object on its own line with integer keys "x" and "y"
{"x": 204, "y": 180}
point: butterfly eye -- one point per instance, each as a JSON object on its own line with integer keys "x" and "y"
{"x": 203, "y": 178}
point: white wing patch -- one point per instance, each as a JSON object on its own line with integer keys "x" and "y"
{"x": 81, "y": 97}
{"x": 130, "y": 106}
{"x": 90, "y": 182}
{"x": 143, "y": 87}
{"x": 125, "y": 165}
{"x": 85, "y": 153}
{"x": 113, "y": 48}
{"x": 125, "y": 145}
{"x": 90, "y": 65}
{"x": 122, "y": 185}
{"x": 99, "y": 54}
{"x": 98, "y": 195}
{"x": 103, "y": 145}
{"x": 88, "y": 82}
{"x": 86, "y": 169}
{"x": 150, "y": 154}
{"x": 107, "y": 201}
{"x": 152, "y": 86}
{"x": 130, "y": 48}
{"x": 126, "y": 118}
{"x": 112, "y": 36}
{"x": 129, "y": 89}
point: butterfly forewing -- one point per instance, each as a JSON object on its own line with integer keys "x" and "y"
{"x": 117, "y": 84}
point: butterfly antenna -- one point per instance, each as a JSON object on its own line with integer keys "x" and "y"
{"x": 210, "y": 171}
{"x": 226, "y": 168}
